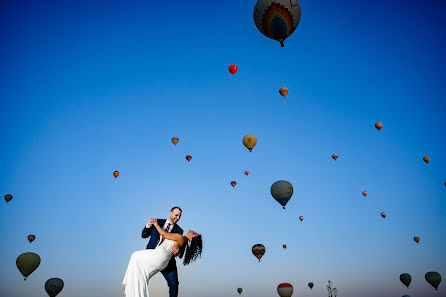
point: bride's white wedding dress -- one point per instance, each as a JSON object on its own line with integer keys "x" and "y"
{"x": 143, "y": 265}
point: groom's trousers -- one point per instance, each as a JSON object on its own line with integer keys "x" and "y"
{"x": 171, "y": 276}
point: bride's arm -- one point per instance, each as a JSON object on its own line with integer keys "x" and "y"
{"x": 167, "y": 235}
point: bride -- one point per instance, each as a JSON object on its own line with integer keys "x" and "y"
{"x": 146, "y": 263}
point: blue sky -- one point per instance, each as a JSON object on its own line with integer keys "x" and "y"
{"x": 86, "y": 89}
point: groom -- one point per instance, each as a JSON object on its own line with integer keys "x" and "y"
{"x": 170, "y": 272}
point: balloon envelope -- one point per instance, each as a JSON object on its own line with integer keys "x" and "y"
{"x": 249, "y": 141}
{"x": 31, "y": 238}
{"x": 301, "y": 218}
{"x": 433, "y": 278}
{"x": 246, "y": 172}
{"x": 53, "y": 286}
{"x": 233, "y": 183}
{"x": 283, "y": 91}
{"x": 383, "y": 214}
{"x": 285, "y": 290}
{"x": 417, "y": 239}
{"x": 405, "y": 278}
{"x": 27, "y": 263}
{"x": 364, "y": 193}
{"x": 335, "y": 157}
{"x": 175, "y": 140}
{"x": 239, "y": 290}
{"x": 310, "y": 284}
{"x": 282, "y": 191}
{"x": 258, "y": 250}
{"x": 277, "y": 19}
{"x": 115, "y": 174}
{"x": 426, "y": 159}
{"x": 188, "y": 158}
{"x": 379, "y": 125}
{"x": 232, "y": 68}
{"x": 8, "y": 197}
{"x": 284, "y": 246}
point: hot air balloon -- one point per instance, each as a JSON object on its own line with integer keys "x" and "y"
{"x": 246, "y": 172}
{"x": 116, "y": 174}
{"x": 8, "y": 197}
{"x": 445, "y": 184}
{"x": 283, "y": 91}
{"x": 405, "y": 278}
{"x": 301, "y": 218}
{"x": 379, "y": 125}
{"x": 282, "y": 191}
{"x": 364, "y": 193}
{"x": 27, "y": 263}
{"x": 310, "y": 284}
{"x": 258, "y": 250}
{"x": 175, "y": 140}
{"x": 426, "y": 159}
{"x": 284, "y": 246}
{"x": 188, "y": 158}
{"x": 335, "y": 157}
{"x": 416, "y": 239}
{"x": 285, "y": 290}
{"x": 53, "y": 286}
{"x": 277, "y": 19}
{"x": 31, "y": 238}
{"x": 433, "y": 278}
{"x": 233, "y": 183}
{"x": 383, "y": 214}
{"x": 232, "y": 68}
{"x": 239, "y": 290}
{"x": 249, "y": 141}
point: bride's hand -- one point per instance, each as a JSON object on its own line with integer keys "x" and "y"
{"x": 153, "y": 222}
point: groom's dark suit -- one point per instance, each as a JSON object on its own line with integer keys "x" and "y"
{"x": 170, "y": 272}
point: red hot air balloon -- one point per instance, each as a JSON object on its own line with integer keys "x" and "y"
{"x": 233, "y": 183}
{"x": 247, "y": 172}
{"x": 426, "y": 159}
{"x": 31, "y": 238}
{"x": 301, "y": 218}
{"x": 379, "y": 125}
{"x": 416, "y": 239}
{"x": 115, "y": 174}
{"x": 284, "y": 246}
{"x": 188, "y": 158}
{"x": 364, "y": 193}
{"x": 232, "y": 68}
{"x": 175, "y": 140}
{"x": 335, "y": 157}
{"x": 285, "y": 290}
{"x": 8, "y": 197}
{"x": 283, "y": 91}
{"x": 383, "y": 214}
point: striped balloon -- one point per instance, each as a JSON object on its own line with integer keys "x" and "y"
{"x": 27, "y": 263}
{"x": 53, "y": 286}
{"x": 277, "y": 19}
{"x": 258, "y": 250}
{"x": 285, "y": 290}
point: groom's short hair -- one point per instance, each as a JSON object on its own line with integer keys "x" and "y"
{"x": 176, "y": 207}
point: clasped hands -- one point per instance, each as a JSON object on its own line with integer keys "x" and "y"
{"x": 174, "y": 250}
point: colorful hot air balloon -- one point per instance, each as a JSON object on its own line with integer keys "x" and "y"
{"x": 27, "y": 263}
{"x": 283, "y": 91}
{"x": 301, "y": 218}
{"x": 383, "y": 214}
{"x": 426, "y": 159}
{"x": 249, "y": 141}
{"x": 310, "y": 284}
{"x": 284, "y": 246}
{"x": 8, "y": 197}
{"x": 258, "y": 250}
{"x": 233, "y": 183}
{"x": 335, "y": 157}
{"x": 379, "y": 125}
{"x": 285, "y": 290}
{"x": 188, "y": 158}
{"x": 277, "y": 19}
{"x": 239, "y": 290}
{"x": 433, "y": 278}
{"x": 405, "y": 278}
{"x": 364, "y": 193}
{"x": 282, "y": 191}
{"x": 53, "y": 286}
{"x": 416, "y": 239}
{"x": 175, "y": 140}
{"x": 232, "y": 68}
{"x": 116, "y": 174}
{"x": 31, "y": 238}
{"x": 246, "y": 172}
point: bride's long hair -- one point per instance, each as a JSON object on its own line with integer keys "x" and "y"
{"x": 194, "y": 250}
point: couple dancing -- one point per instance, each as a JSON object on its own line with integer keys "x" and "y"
{"x": 166, "y": 240}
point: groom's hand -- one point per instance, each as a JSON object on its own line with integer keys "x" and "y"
{"x": 175, "y": 251}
